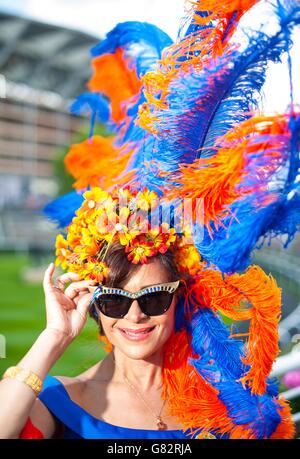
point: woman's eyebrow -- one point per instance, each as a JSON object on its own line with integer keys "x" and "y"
{"x": 146, "y": 286}
{"x": 151, "y": 285}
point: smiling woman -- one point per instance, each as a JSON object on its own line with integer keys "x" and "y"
{"x": 145, "y": 313}
{"x": 131, "y": 374}
{"x": 150, "y": 330}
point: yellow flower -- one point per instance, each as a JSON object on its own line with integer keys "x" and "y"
{"x": 163, "y": 240}
{"x": 171, "y": 237}
{"x": 140, "y": 252}
{"x": 95, "y": 270}
{"x": 76, "y": 221}
{"x": 187, "y": 231}
{"x": 87, "y": 236}
{"x": 110, "y": 205}
{"x": 112, "y": 219}
{"x": 95, "y": 195}
{"x": 62, "y": 252}
{"x": 122, "y": 233}
{"x": 94, "y": 199}
{"x": 146, "y": 200}
{"x": 86, "y": 251}
{"x": 101, "y": 224}
{"x": 103, "y": 218}
{"x": 74, "y": 236}
{"x": 75, "y": 266}
{"x": 189, "y": 259}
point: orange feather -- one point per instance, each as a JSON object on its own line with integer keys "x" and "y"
{"x": 97, "y": 162}
{"x": 113, "y": 77}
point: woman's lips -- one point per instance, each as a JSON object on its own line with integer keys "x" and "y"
{"x": 136, "y": 335}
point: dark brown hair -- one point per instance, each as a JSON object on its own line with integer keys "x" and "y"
{"x": 121, "y": 269}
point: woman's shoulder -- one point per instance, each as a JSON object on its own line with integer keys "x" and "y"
{"x": 63, "y": 396}
{"x": 70, "y": 382}
{"x": 76, "y": 386}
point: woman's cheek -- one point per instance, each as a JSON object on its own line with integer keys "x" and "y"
{"x": 108, "y": 325}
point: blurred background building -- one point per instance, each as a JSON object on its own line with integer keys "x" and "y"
{"x": 43, "y": 68}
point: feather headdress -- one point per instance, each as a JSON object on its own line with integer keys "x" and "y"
{"x": 186, "y": 124}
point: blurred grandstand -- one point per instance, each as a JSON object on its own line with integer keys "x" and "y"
{"x": 42, "y": 69}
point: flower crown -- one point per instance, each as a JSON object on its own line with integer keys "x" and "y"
{"x": 122, "y": 215}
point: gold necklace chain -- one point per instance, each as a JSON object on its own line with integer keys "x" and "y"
{"x": 160, "y": 424}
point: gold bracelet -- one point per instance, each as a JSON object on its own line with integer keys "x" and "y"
{"x": 26, "y": 376}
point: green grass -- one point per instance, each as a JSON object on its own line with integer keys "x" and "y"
{"x": 23, "y": 318}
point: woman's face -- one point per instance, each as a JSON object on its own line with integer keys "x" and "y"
{"x": 135, "y": 319}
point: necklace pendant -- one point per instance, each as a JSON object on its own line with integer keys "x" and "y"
{"x": 160, "y": 424}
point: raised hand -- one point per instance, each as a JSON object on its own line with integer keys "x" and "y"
{"x": 66, "y": 307}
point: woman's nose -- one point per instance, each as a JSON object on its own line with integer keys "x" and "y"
{"x": 135, "y": 314}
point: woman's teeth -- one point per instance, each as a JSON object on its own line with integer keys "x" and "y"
{"x": 137, "y": 334}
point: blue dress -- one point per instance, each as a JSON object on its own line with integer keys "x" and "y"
{"x": 78, "y": 423}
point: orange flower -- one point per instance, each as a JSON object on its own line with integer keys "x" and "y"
{"x": 104, "y": 217}
{"x": 146, "y": 200}
{"x": 62, "y": 252}
{"x": 188, "y": 259}
{"x": 140, "y": 252}
{"x": 95, "y": 270}
{"x": 162, "y": 237}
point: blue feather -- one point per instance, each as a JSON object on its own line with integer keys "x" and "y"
{"x": 220, "y": 364}
{"x": 62, "y": 210}
{"x": 149, "y": 40}
{"x": 143, "y": 44}
{"x": 231, "y": 246}
{"x": 222, "y": 104}
{"x": 94, "y": 103}
{"x": 248, "y": 76}
{"x": 261, "y": 412}
{"x": 205, "y": 105}
{"x": 211, "y": 339}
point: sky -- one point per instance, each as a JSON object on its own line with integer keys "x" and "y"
{"x": 99, "y": 16}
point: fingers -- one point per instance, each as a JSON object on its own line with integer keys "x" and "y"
{"x": 62, "y": 280}
{"x": 47, "y": 281}
{"x": 73, "y": 290}
{"x": 77, "y": 287}
{"x": 83, "y": 304}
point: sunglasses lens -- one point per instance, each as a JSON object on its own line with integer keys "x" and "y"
{"x": 156, "y": 303}
{"x": 113, "y": 305}
{"x": 117, "y": 306}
